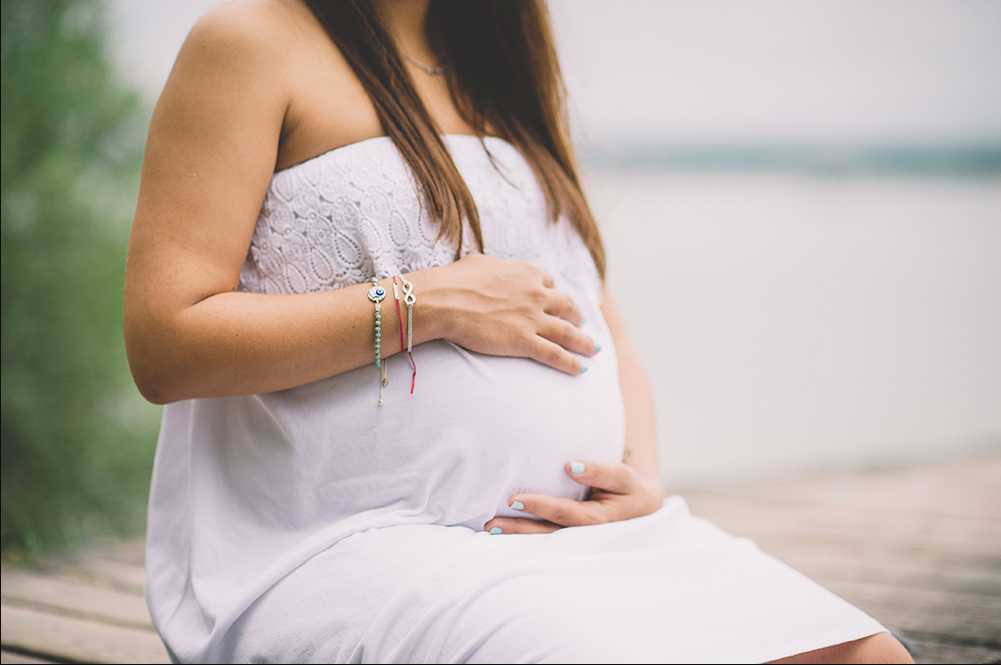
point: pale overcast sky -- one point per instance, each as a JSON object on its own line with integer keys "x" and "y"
{"x": 729, "y": 71}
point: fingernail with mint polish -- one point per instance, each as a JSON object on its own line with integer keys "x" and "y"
{"x": 494, "y": 531}
{"x": 576, "y": 467}
{"x": 597, "y": 347}
{"x": 517, "y": 505}
{"x": 582, "y": 369}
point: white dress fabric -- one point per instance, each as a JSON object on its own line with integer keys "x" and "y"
{"x": 312, "y": 524}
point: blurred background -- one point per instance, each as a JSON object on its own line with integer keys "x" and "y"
{"x": 801, "y": 204}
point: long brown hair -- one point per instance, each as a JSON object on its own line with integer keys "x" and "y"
{"x": 503, "y": 73}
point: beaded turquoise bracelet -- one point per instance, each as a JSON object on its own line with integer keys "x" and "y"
{"x": 376, "y": 294}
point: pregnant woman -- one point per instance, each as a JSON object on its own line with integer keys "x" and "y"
{"x": 404, "y": 421}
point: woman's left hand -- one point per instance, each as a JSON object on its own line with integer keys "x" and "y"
{"x": 617, "y": 493}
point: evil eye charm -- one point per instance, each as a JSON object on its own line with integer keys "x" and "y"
{"x": 376, "y": 294}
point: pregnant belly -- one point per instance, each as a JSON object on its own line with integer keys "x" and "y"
{"x": 476, "y": 430}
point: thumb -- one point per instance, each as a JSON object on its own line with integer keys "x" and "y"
{"x": 615, "y": 477}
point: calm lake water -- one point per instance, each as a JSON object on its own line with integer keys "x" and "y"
{"x": 796, "y": 324}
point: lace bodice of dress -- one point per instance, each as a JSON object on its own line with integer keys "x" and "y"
{"x": 351, "y": 213}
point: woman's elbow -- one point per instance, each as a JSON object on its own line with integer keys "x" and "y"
{"x": 153, "y": 383}
{"x": 151, "y": 365}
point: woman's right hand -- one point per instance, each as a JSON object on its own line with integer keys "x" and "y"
{"x": 509, "y": 308}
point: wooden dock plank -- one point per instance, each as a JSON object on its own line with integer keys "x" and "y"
{"x": 815, "y": 526}
{"x": 940, "y": 652}
{"x": 968, "y": 618}
{"x": 874, "y": 553}
{"x": 20, "y": 659}
{"x": 822, "y": 563}
{"x": 91, "y": 568}
{"x": 964, "y": 490}
{"x": 73, "y": 599}
{"x": 893, "y": 596}
{"x": 918, "y": 548}
{"x": 77, "y": 640}
{"x": 127, "y": 577}
{"x": 854, "y": 518}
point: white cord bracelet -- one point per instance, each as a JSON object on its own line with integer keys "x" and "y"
{"x": 409, "y": 298}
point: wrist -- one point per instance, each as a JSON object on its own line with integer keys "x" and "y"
{"x": 651, "y": 479}
{"x": 432, "y": 316}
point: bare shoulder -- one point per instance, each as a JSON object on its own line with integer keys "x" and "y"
{"x": 249, "y": 21}
{"x": 243, "y": 34}
{"x": 274, "y": 59}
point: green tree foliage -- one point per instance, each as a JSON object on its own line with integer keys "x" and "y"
{"x": 77, "y": 440}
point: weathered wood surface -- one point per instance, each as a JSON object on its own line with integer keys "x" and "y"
{"x": 918, "y": 548}
{"x": 19, "y": 658}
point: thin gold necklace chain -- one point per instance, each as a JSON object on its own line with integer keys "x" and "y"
{"x": 430, "y": 70}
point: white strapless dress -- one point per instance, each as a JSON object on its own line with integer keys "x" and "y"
{"x": 312, "y": 524}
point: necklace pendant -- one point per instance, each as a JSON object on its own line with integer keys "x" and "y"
{"x": 430, "y": 70}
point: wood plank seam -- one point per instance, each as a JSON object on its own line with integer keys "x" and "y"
{"x": 28, "y": 653}
{"x": 73, "y": 596}
{"x": 952, "y": 640}
{"x": 75, "y": 614}
{"x": 75, "y": 639}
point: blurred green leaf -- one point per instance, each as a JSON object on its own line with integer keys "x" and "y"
{"x": 77, "y": 441}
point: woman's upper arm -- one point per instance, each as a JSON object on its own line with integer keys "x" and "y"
{"x": 613, "y": 318}
{"x": 209, "y": 158}
{"x": 641, "y": 437}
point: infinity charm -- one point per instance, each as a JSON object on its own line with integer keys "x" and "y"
{"x": 408, "y": 294}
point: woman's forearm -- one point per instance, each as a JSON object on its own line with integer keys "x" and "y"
{"x": 228, "y": 343}
{"x": 240, "y": 343}
{"x": 641, "y": 438}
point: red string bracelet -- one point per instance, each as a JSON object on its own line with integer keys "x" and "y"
{"x": 403, "y": 344}
{"x": 399, "y": 313}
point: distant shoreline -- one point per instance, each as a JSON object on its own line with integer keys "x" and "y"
{"x": 966, "y": 160}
